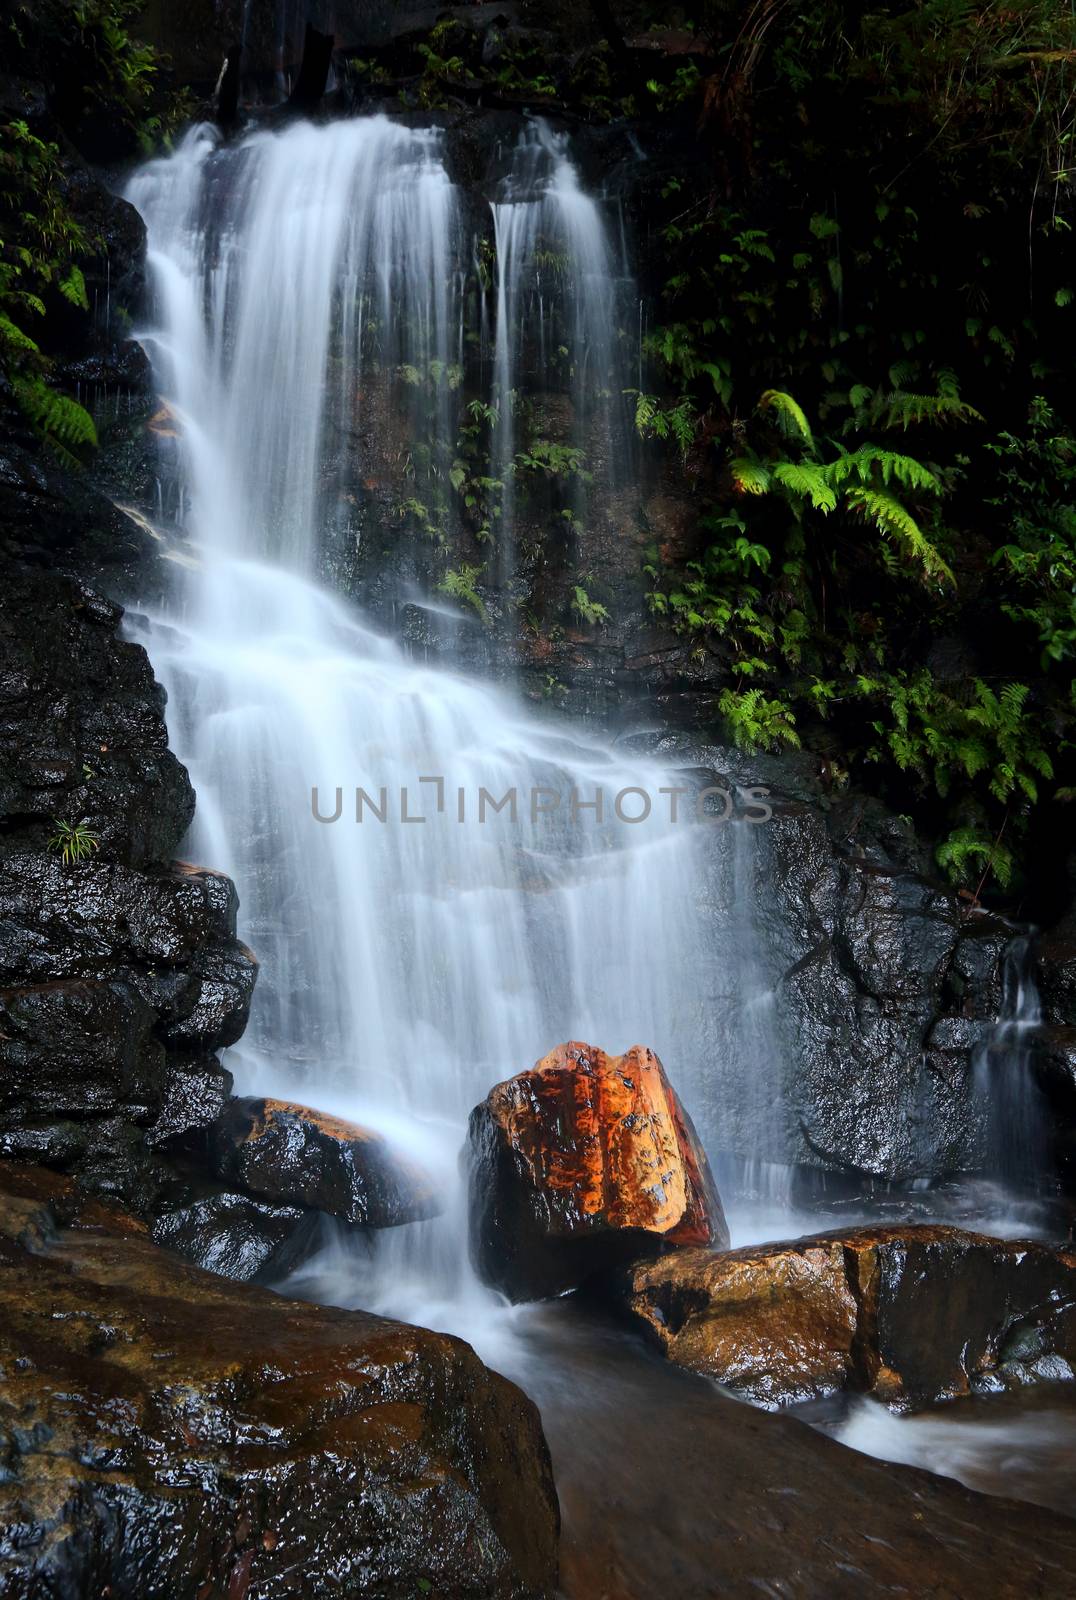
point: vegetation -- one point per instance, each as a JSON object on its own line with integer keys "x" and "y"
{"x": 460, "y": 583}
{"x": 40, "y": 249}
{"x": 73, "y": 842}
{"x": 102, "y": 95}
{"x": 864, "y": 363}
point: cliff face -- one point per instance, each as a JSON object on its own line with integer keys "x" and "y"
{"x": 120, "y": 973}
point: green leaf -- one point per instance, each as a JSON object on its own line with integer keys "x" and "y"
{"x": 788, "y": 414}
{"x": 750, "y": 477}
{"x": 73, "y": 289}
{"x": 807, "y": 480}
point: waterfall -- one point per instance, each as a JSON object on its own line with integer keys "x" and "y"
{"x": 561, "y": 288}
{"x": 1011, "y": 1103}
{"x": 406, "y": 965}
{"x": 280, "y": 264}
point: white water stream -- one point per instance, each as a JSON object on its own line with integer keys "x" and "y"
{"x": 405, "y": 966}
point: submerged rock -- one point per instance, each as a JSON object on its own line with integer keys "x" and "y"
{"x": 294, "y": 1155}
{"x": 909, "y": 1314}
{"x": 581, "y": 1163}
{"x": 165, "y": 1432}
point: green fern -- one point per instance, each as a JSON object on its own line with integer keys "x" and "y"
{"x": 809, "y": 480}
{"x": 73, "y": 288}
{"x": 788, "y": 414}
{"x": 750, "y": 477}
{"x": 965, "y": 846}
{"x": 756, "y": 723}
{"x": 586, "y": 608}
{"x": 64, "y": 425}
{"x": 460, "y": 585}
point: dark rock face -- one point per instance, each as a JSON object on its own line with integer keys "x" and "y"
{"x": 50, "y": 518}
{"x": 583, "y": 1162}
{"x": 82, "y": 735}
{"x": 165, "y": 1432}
{"x": 291, "y": 1154}
{"x": 236, "y": 1236}
{"x": 884, "y": 981}
{"x": 1055, "y": 954}
{"x": 77, "y": 1049}
{"x": 195, "y": 1091}
{"x": 120, "y": 973}
{"x": 908, "y": 1314}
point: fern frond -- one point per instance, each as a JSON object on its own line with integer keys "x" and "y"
{"x": 14, "y": 339}
{"x": 896, "y": 522}
{"x": 73, "y": 288}
{"x": 807, "y": 480}
{"x": 967, "y": 845}
{"x": 788, "y": 414}
{"x": 906, "y": 410}
{"x": 750, "y": 477}
{"x": 869, "y": 459}
{"x": 63, "y": 423}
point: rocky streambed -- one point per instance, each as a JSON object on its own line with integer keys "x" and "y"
{"x": 168, "y": 1432}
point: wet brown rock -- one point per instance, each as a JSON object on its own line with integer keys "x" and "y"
{"x": 165, "y": 1432}
{"x": 910, "y": 1314}
{"x": 298, "y": 1156}
{"x": 585, "y": 1161}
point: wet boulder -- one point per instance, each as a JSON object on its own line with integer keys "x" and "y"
{"x": 237, "y": 1237}
{"x": 82, "y": 732}
{"x": 585, "y": 1161}
{"x": 167, "y": 1432}
{"x": 77, "y": 1048}
{"x": 909, "y": 1314}
{"x": 194, "y": 1093}
{"x": 1055, "y": 955}
{"x": 293, "y": 1155}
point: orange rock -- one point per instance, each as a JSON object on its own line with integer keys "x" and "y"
{"x": 910, "y": 1313}
{"x": 585, "y": 1162}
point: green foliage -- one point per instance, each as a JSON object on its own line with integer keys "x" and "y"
{"x": 63, "y": 424}
{"x": 655, "y": 421}
{"x": 756, "y": 723}
{"x": 38, "y": 247}
{"x": 967, "y": 851}
{"x": 552, "y": 460}
{"x": 1037, "y": 497}
{"x": 460, "y": 585}
{"x": 589, "y": 610}
{"x": 863, "y": 357}
{"x": 73, "y": 842}
{"x": 97, "y": 78}
{"x": 104, "y": 84}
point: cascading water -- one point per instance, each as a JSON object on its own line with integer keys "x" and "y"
{"x": 1013, "y": 1110}
{"x": 560, "y": 291}
{"x": 406, "y": 966}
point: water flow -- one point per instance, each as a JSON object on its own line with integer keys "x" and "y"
{"x": 282, "y": 264}
{"x": 561, "y": 289}
{"x": 406, "y": 966}
{"x": 1014, "y": 1114}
